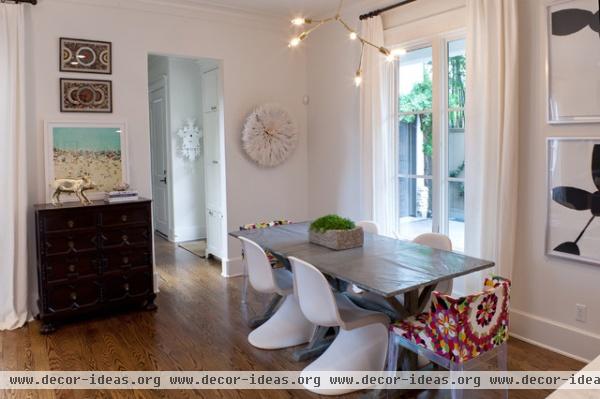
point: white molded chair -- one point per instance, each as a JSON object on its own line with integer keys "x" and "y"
{"x": 442, "y": 242}
{"x": 288, "y": 326}
{"x": 368, "y": 226}
{"x": 361, "y": 343}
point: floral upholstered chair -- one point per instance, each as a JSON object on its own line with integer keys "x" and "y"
{"x": 458, "y": 331}
{"x": 275, "y": 263}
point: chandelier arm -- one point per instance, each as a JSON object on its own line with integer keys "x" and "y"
{"x": 339, "y": 8}
{"x": 360, "y": 61}
{"x": 345, "y": 25}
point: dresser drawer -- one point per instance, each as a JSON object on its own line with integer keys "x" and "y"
{"x": 69, "y": 220}
{"x": 71, "y": 266}
{"x": 132, "y": 284}
{"x": 72, "y": 243}
{"x": 125, "y": 259}
{"x": 72, "y": 296}
{"x": 125, "y": 237}
{"x": 125, "y": 215}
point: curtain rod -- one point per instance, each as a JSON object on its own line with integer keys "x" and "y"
{"x": 32, "y": 2}
{"x": 375, "y": 13}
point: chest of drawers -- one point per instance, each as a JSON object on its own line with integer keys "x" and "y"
{"x": 93, "y": 258}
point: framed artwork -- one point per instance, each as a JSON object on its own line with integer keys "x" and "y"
{"x": 573, "y": 226}
{"x": 74, "y": 149}
{"x": 573, "y": 64}
{"x": 85, "y": 56}
{"x": 85, "y": 95}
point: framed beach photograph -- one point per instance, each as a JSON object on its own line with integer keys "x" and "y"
{"x": 573, "y": 63}
{"x": 98, "y": 150}
{"x": 573, "y": 224}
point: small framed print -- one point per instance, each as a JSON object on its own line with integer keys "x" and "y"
{"x": 86, "y": 56}
{"x": 86, "y": 95}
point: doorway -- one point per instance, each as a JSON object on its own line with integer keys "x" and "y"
{"x": 186, "y": 150}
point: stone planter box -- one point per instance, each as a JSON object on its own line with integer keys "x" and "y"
{"x": 338, "y": 239}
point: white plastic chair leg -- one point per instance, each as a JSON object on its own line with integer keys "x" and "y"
{"x": 245, "y": 283}
{"x": 360, "y": 349}
{"x": 287, "y": 327}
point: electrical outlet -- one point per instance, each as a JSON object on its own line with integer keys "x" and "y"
{"x": 581, "y": 313}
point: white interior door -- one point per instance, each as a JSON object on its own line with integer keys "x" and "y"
{"x": 158, "y": 142}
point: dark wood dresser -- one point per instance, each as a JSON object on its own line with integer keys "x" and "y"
{"x": 93, "y": 258}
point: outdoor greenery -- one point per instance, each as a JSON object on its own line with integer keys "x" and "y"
{"x": 331, "y": 222}
{"x": 420, "y": 99}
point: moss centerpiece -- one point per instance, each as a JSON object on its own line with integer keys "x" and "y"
{"x": 335, "y": 232}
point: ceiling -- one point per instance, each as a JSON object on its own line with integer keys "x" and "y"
{"x": 285, "y": 8}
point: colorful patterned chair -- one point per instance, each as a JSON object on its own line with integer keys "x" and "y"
{"x": 458, "y": 331}
{"x": 272, "y": 259}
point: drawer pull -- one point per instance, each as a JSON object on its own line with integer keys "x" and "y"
{"x": 126, "y": 287}
{"x": 71, "y": 268}
{"x": 71, "y": 244}
{"x": 125, "y": 238}
{"x": 71, "y": 224}
{"x": 73, "y": 296}
{"x": 125, "y": 260}
{"x": 123, "y": 218}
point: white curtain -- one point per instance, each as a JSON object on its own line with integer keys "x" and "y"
{"x": 492, "y": 112}
{"x": 377, "y": 116}
{"x": 13, "y": 176}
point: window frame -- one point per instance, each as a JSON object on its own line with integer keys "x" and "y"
{"x": 440, "y": 110}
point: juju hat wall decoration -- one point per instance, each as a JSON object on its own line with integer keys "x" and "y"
{"x": 270, "y": 135}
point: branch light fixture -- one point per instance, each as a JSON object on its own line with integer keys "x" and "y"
{"x": 389, "y": 55}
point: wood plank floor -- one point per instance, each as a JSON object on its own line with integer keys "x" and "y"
{"x": 198, "y": 326}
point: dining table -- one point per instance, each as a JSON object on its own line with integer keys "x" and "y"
{"x": 383, "y": 266}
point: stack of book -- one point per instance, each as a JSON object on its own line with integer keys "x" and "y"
{"x": 120, "y": 196}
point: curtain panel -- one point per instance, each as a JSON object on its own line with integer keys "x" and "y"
{"x": 13, "y": 179}
{"x": 377, "y": 130}
{"x": 492, "y": 137}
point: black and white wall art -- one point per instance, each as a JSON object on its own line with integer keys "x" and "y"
{"x": 573, "y": 227}
{"x": 573, "y": 61}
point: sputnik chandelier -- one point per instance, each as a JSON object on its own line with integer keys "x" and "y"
{"x": 352, "y": 34}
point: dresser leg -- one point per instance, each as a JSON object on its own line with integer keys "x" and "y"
{"x": 47, "y": 328}
{"x": 150, "y": 305}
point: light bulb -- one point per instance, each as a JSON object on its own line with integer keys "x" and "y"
{"x": 358, "y": 78}
{"x": 389, "y": 58}
{"x": 299, "y": 21}
{"x": 398, "y": 52}
{"x": 294, "y": 42}
{"x": 353, "y": 36}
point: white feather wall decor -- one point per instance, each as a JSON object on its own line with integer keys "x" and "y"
{"x": 270, "y": 135}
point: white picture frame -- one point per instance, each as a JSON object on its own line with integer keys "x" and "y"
{"x": 572, "y": 70}
{"x": 569, "y": 164}
{"x": 51, "y": 128}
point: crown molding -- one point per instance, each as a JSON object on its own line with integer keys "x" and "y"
{"x": 197, "y": 9}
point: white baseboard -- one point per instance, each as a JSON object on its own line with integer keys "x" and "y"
{"x": 232, "y": 267}
{"x": 558, "y": 337}
{"x": 156, "y": 280}
{"x": 189, "y": 233}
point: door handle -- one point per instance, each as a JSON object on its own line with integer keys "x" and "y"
{"x": 164, "y": 180}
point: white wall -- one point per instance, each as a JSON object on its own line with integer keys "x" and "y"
{"x": 257, "y": 68}
{"x": 545, "y": 289}
{"x": 185, "y": 101}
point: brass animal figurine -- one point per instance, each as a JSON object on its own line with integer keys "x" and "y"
{"x": 72, "y": 186}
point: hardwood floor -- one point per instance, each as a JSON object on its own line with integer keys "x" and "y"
{"x": 198, "y": 326}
